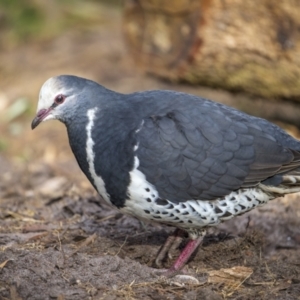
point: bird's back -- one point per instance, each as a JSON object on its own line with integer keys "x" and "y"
{"x": 195, "y": 143}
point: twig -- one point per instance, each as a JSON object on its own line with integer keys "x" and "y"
{"x": 88, "y": 241}
{"x": 121, "y": 246}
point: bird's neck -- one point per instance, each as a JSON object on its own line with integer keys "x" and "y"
{"x": 103, "y": 147}
{"x": 77, "y": 139}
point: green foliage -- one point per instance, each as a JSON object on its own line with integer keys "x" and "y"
{"x": 22, "y": 18}
{"x": 3, "y": 144}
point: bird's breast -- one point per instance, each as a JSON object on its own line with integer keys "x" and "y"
{"x": 90, "y": 154}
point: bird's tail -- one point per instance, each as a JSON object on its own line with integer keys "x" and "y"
{"x": 290, "y": 183}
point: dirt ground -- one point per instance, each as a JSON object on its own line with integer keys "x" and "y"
{"x": 58, "y": 240}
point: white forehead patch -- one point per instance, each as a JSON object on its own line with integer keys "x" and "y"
{"x": 50, "y": 89}
{"x": 46, "y": 95}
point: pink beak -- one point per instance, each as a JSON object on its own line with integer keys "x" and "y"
{"x": 41, "y": 115}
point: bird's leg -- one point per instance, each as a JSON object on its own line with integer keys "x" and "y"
{"x": 186, "y": 253}
{"x": 172, "y": 242}
{"x": 178, "y": 240}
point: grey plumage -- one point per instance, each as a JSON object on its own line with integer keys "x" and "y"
{"x": 172, "y": 157}
{"x": 197, "y": 149}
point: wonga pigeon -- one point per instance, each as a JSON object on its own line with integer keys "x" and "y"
{"x": 172, "y": 157}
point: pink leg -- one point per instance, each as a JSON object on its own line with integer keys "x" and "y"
{"x": 172, "y": 242}
{"x": 184, "y": 256}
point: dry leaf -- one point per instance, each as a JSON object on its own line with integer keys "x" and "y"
{"x": 53, "y": 187}
{"x": 2, "y": 265}
{"x": 232, "y": 278}
{"x": 14, "y": 293}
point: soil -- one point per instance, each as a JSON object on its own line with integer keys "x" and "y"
{"x": 59, "y": 240}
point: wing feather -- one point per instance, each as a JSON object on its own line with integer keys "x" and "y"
{"x": 206, "y": 155}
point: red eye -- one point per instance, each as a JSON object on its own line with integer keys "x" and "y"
{"x": 59, "y": 99}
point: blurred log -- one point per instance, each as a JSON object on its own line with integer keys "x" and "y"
{"x": 233, "y": 44}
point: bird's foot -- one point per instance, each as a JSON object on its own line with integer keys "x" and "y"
{"x": 178, "y": 266}
{"x": 172, "y": 243}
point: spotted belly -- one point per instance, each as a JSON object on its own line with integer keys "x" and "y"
{"x": 144, "y": 202}
{"x": 195, "y": 213}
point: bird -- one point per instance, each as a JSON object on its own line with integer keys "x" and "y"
{"x": 171, "y": 157}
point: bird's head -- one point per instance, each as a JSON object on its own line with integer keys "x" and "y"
{"x": 59, "y": 98}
